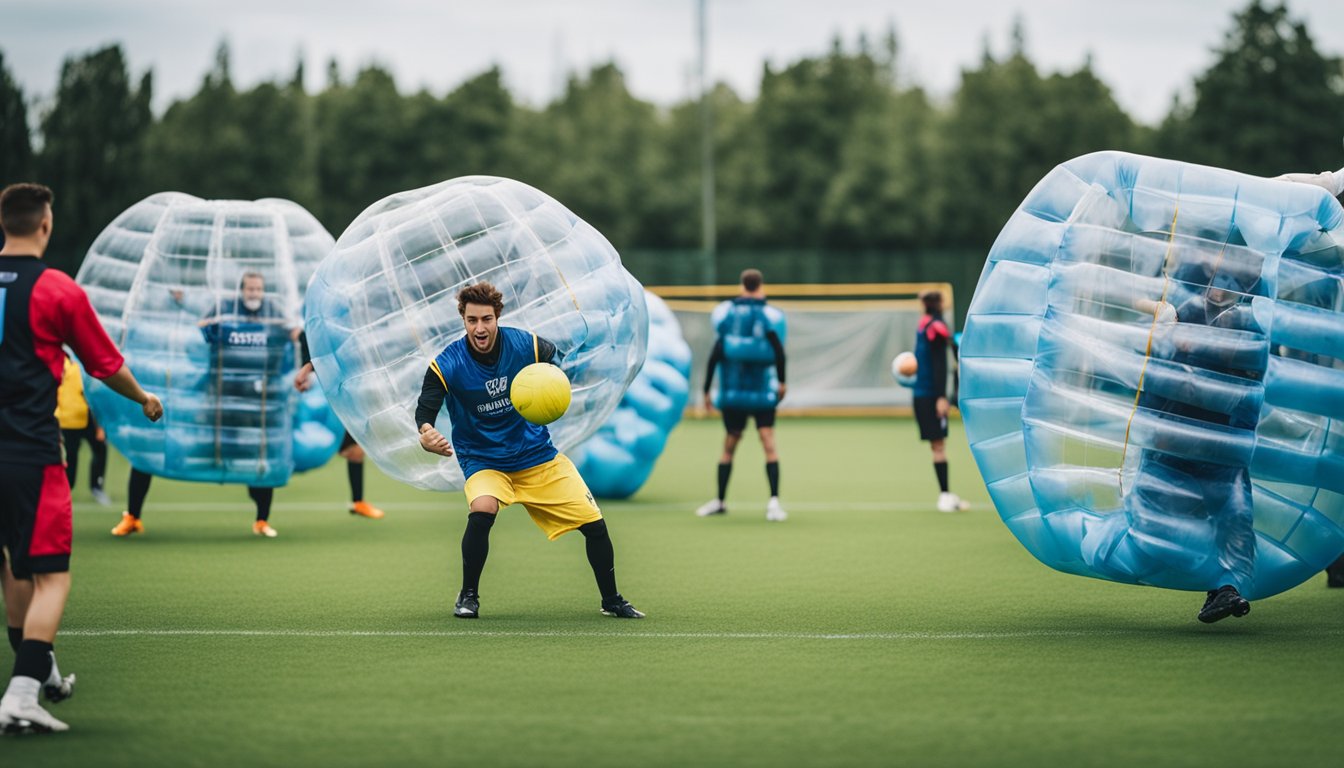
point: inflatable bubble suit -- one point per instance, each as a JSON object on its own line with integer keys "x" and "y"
{"x": 620, "y": 456}
{"x": 384, "y": 304}
{"x": 167, "y": 278}
{"x": 1153, "y": 375}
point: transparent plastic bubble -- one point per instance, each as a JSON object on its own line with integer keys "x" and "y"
{"x": 1152, "y": 377}
{"x": 203, "y": 298}
{"x": 618, "y": 459}
{"x": 384, "y": 304}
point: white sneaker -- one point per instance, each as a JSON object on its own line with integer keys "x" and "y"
{"x": 100, "y": 496}
{"x": 774, "y": 512}
{"x": 22, "y": 715}
{"x": 712, "y": 507}
{"x": 57, "y": 688}
{"x": 951, "y": 502}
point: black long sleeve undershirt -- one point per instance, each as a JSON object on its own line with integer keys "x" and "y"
{"x": 433, "y": 391}
{"x": 716, "y": 357}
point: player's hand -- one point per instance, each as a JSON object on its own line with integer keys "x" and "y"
{"x": 782, "y": 389}
{"x": 152, "y": 408}
{"x": 303, "y": 380}
{"x": 708, "y": 403}
{"x": 942, "y": 407}
{"x": 100, "y": 434}
{"x": 433, "y": 441}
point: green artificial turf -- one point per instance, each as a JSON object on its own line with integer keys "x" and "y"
{"x": 868, "y": 629}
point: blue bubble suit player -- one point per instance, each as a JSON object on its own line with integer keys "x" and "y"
{"x": 1152, "y": 377}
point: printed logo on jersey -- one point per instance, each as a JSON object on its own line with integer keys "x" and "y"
{"x": 497, "y": 387}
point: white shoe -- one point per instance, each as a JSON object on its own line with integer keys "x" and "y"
{"x": 951, "y": 502}
{"x": 22, "y": 715}
{"x": 100, "y": 496}
{"x": 774, "y": 512}
{"x": 713, "y": 507}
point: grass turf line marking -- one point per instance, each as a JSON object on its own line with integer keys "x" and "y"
{"x": 883, "y": 636}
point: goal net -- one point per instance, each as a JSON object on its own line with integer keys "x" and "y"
{"x": 840, "y": 343}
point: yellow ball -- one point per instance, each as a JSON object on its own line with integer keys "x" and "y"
{"x": 540, "y": 393}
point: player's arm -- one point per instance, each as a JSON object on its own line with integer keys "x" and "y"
{"x": 83, "y": 332}
{"x": 303, "y": 379}
{"x": 432, "y": 392}
{"x": 940, "y": 337}
{"x": 547, "y": 352}
{"x": 715, "y": 357}
{"x": 778, "y": 347}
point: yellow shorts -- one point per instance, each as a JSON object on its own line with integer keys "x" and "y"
{"x": 553, "y": 493}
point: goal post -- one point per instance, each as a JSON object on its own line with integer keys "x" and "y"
{"x": 840, "y": 342}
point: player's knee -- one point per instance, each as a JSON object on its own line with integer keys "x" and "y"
{"x": 480, "y": 521}
{"x": 594, "y": 530}
{"x": 485, "y": 504}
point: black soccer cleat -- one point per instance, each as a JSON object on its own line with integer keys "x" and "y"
{"x": 620, "y": 608}
{"x": 1223, "y": 602}
{"x": 468, "y": 605}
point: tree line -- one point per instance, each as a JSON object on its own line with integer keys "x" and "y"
{"x": 840, "y": 155}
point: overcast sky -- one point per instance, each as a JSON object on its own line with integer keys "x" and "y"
{"x": 1146, "y": 50}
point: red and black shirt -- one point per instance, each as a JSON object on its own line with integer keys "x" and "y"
{"x": 43, "y": 309}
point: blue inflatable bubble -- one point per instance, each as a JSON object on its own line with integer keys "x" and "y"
{"x": 620, "y": 456}
{"x": 1151, "y": 375}
{"x": 384, "y": 304}
{"x": 747, "y": 378}
{"x": 203, "y": 298}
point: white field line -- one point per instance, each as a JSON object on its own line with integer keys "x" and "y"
{"x": 456, "y": 503}
{"x": 551, "y": 634}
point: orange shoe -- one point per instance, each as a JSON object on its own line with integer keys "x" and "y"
{"x": 263, "y": 528}
{"x": 365, "y": 509}
{"x": 128, "y": 525}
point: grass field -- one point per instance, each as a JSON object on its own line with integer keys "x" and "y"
{"x": 867, "y": 630}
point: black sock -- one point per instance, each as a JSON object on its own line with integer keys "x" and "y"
{"x": 15, "y": 637}
{"x": 475, "y": 548}
{"x": 772, "y": 472}
{"x": 601, "y": 556}
{"x": 263, "y": 498}
{"x": 940, "y": 468}
{"x": 355, "y": 470}
{"x": 136, "y": 491}
{"x": 724, "y": 471}
{"x": 33, "y": 659}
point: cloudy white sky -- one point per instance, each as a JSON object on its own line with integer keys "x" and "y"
{"x": 1146, "y": 50}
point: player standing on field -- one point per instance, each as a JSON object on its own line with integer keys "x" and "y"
{"x": 505, "y": 458}
{"x": 932, "y": 339}
{"x": 43, "y": 309}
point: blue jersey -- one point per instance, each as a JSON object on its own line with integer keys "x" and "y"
{"x": 749, "y": 380}
{"x": 931, "y": 339}
{"x": 487, "y": 432}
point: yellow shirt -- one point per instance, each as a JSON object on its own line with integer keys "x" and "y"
{"x": 72, "y": 410}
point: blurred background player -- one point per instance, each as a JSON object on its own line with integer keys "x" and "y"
{"x": 43, "y": 310}
{"x": 248, "y": 336}
{"x": 350, "y": 450}
{"x": 933, "y": 341}
{"x": 505, "y": 458}
{"x": 78, "y": 425}
{"x": 751, "y": 354}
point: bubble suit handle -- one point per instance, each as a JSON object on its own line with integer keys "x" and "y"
{"x": 384, "y": 304}
{"x": 1151, "y": 375}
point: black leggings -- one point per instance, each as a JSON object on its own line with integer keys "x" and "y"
{"x": 138, "y": 489}
{"x": 97, "y": 447}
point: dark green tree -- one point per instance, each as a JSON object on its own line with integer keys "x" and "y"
{"x": 16, "y": 147}
{"x": 1271, "y": 103}
{"x": 92, "y": 156}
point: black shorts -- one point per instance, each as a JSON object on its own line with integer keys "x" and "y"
{"x": 348, "y": 441}
{"x": 926, "y": 415}
{"x": 735, "y": 419}
{"x": 35, "y": 518}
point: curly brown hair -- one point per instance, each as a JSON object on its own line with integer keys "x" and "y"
{"x": 481, "y": 293}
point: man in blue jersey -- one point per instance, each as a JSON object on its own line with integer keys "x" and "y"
{"x": 505, "y": 458}
{"x": 931, "y": 404}
{"x": 751, "y": 352}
